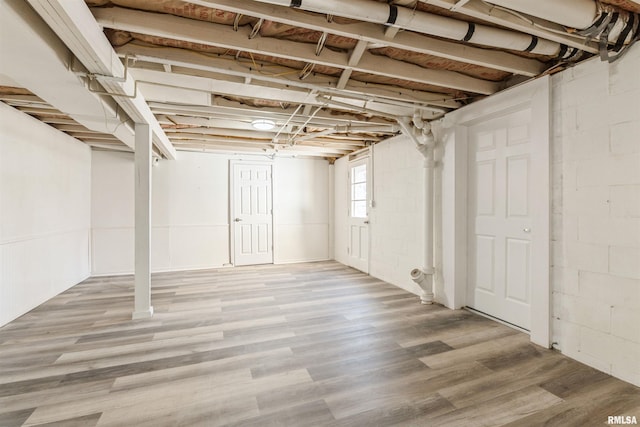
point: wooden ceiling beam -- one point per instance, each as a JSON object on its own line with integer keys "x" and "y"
{"x": 371, "y": 33}
{"x": 72, "y": 21}
{"x": 200, "y": 64}
{"x": 207, "y": 33}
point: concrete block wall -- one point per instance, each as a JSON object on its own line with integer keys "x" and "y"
{"x": 596, "y": 214}
{"x": 397, "y": 227}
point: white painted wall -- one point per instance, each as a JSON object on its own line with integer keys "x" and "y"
{"x": 191, "y": 211}
{"x": 595, "y": 236}
{"x": 44, "y": 212}
{"x": 396, "y": 226}
{"x": 301, "y": 191}
{"x": 596, "y": 214}
{"x": 341, "y": 210}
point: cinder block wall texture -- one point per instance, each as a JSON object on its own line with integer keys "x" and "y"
{"x": 596, "y": 214}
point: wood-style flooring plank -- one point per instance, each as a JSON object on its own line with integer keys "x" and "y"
{"x": 315, "y": 344}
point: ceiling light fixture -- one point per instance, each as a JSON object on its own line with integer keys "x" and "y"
{"x": 263, "y": 124}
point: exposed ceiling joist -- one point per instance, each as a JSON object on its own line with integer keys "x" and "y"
{"x": 191, "y": 60}
{"x": 169, "y": 87}
{"x": 372, "y": 34}
{"x": 234, "y": 110}
{"x": 72, "y": 21}
{"x": 224, "y": 87}
{"x": 354, "y": 59}
{"x": 257, "y": 143}
{"x": 252, "y": 149}
{"x": 33, "y": 57}
{"x": 177, "y": 28}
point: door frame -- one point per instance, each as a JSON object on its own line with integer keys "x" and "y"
{"x": 362, "y": 156}
{"x": 232, "y": 244}
{"x": 534, "y": 95}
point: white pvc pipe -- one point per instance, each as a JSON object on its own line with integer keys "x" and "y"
{"x": 428, "y": 212}
{"x": 424, "y": 276}
{"x": 424, "y": 22}
{"x": 578, "y": 14}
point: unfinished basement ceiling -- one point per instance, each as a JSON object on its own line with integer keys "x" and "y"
{"x": 330, "y": 83}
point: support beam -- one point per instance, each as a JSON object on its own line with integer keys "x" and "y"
{"x": 231, "y": 110}
{"x": 354, "y": 58}
{"x": 72, "y": 21}
{"x": 177, "y": 28}
{"x": 221, "y": 87}
{"x": 28, "y": 47}
{"x": 142, "y": 293}
{"x": 324, "y": 84}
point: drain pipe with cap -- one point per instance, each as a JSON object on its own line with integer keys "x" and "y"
{"x": 420, "y": 133}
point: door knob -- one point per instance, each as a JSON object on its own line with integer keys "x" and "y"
{"x": 366, "y": 222}
{"x": 526, "y": 230}
{"x": 237, "y": 220}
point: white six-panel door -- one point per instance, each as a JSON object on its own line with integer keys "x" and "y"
{"x": 251, "y": 213}
{"x": 501, "y": 205}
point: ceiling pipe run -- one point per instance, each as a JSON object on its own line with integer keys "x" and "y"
{"x": 428, "y": 23}
{"x": 589, "y": 18}
{"x": 570, "y": 13}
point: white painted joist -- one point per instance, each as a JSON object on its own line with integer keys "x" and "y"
{"x": 267, "y": 151}
{"x": 207, "y": 33}
{"x": 285, "y": 77}
{"x": 223, "y": 87}
{"x": 354, "y": 58}
{"x": 235, "y": 133}
{"x": 372, "y": 33}
{"x": 244, "y": 124}
{"x": 317, "y": 139}
{"x": 480, "y": 10}
{"x": 28, "y": 47}
{"x": 233, "y": 142}
{"x": 160, "y": 81}
{"x": 72, "y": 21}
{"x": 231, "y": 110}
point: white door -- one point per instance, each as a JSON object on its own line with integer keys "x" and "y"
{"x": 359, "y": 215}
{"x": 251, "y": 213}
{"x": 502, "y": 170}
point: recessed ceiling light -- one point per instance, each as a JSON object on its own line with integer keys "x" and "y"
{"x": 263, "y": 124}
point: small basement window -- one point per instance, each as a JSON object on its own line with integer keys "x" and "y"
{"x": 359, "y": 191}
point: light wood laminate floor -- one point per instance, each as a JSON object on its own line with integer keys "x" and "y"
{"x": 315, "y": 344}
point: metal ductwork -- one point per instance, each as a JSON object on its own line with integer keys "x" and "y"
{"x": 428, "y": 23}
{"x": 615, "y": 29}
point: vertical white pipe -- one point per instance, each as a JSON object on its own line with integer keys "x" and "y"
{"x": 425, "y": 277}
{"x": 428, "y": 226}
{"x": 142, "y": 292}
